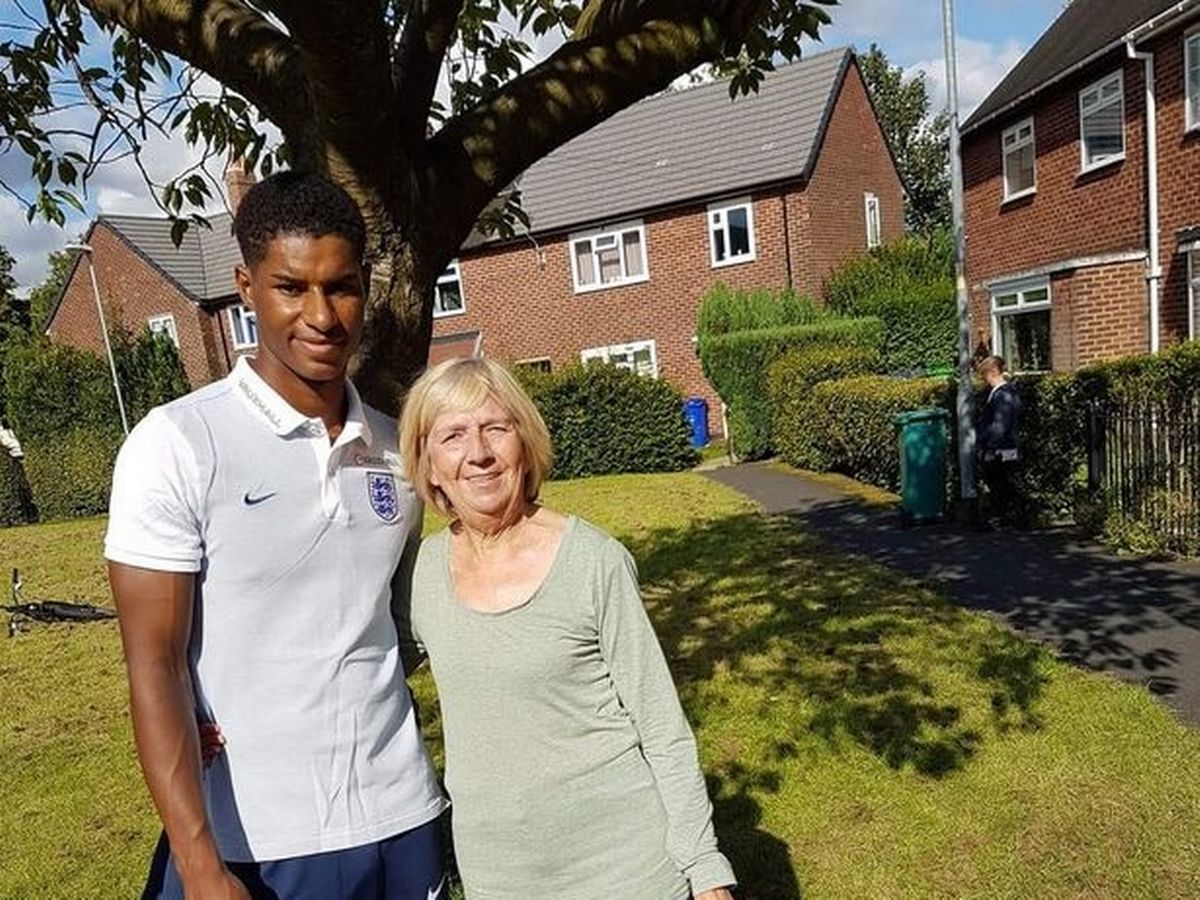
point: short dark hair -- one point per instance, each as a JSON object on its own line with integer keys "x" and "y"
{"x": 296, "y": 203}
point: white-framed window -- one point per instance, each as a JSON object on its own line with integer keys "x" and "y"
{"x": 1021, "y": 325}
{"x": 448, "y": 297}
{"x": 244, "y": 326}
{"x": 1191, "y": 79}
{"x": 638, "y": 356}
{"x": 164, "y": 324}
{"x": 538, "y": 364}
{"x": 873, "y": 220}
{"x": 1020, "y": 160}
{"x": 609, "y": 257}
{"x": 731, "y": 232}
{"x": 1102, "y": 122}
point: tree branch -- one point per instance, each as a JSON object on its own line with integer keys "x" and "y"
{"x": 637, "y": 51}
{"x": 428, "y": 30}
{"x": 230, "y": 41}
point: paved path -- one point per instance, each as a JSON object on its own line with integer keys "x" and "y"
{"x": 1139, "y": 620}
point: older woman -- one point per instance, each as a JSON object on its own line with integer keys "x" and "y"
{"x": 572, "y": 770}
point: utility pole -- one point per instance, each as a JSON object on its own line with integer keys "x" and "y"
{"x": 112, "y": 363}
{"x": 967, "y": 507}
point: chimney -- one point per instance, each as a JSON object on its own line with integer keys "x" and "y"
{"x": 238, "y": 179}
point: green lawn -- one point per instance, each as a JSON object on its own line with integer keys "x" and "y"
{"x": 862, "y": 737}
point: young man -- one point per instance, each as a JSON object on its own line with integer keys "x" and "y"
{"x": 255, "y": 526}
{"x": 998, "y": 439}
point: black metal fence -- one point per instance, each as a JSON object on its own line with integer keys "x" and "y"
{"x": 1145, "y": 462}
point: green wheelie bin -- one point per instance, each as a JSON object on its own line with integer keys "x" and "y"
{"x": 922, "y": 441}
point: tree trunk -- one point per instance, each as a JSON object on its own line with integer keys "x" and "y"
{"x": 398, "y": 326}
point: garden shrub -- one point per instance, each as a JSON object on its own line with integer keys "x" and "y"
{"x": 70, "y": 475}
{"x": 851, "y": 422}
{"x": 909, "y": 285}
{"x": 61, "y": 405}
{"x": 604, "y": 420}
{"x": 790, "y": 381}
{"x": 16, "y": 500}
{"x": 737, "y": 363}
{"x": 724, "y": 310}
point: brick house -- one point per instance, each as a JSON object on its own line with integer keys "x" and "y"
{"x": 1081, "y": 220}
{"x": 630, "y": 224}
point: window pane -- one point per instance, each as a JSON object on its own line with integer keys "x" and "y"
{"x": 635, "y": 265}
{"x": 447, "y": 297}
{"x": 643, "y": 361}
{"x": 1025, "y": 341}
{"x": 583, "y": 262}
{"x": 609, "y": 263}
{"x": 1104, "y": 133}
{"x": 1005, "y": 300}
{"x": 1019, "y": 169}
{"x": 1037, "y": 295}
{"x": 739, "y": 231}
{"x": 621, "y": 359}
{"x": 1193, "y": 80}
{"x": 719, "y": 251}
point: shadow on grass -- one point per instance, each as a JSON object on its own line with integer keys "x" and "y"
{"x": 765, "y": 625}
{"x": 789, "y": 615}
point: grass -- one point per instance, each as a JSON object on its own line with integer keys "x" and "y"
{"x": 862, "y": 737}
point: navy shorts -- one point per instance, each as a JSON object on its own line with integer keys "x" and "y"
{"x": 407, "y": 866}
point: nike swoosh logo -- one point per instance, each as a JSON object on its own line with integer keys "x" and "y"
{"x": 254, "y": 501}
{"x": 435, "y": 893}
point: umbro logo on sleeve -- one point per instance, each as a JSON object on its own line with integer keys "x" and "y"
{"x": 254, "y": 501}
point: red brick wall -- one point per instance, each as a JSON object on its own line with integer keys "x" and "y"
{"x": 525, "y": 305}
{"x": 132, "y": 291}
{"x": 854, "y": 160}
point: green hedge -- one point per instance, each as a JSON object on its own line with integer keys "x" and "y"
{"x": 790, "y": 381}
{"x": 60, "y": 402}
{"x": 605, "y": 420}
{"x": 724, "y": 310}
{"x": 909, "y": 284}
{"x": 71, "y": 475}
{"x": 737, "y": 363}
{"x": 16, "y": 499}
{"x": 850, "y": 423}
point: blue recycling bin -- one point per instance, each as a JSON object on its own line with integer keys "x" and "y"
{"x": 695, "y": 410}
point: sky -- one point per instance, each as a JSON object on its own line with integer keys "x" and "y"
{"x": 991, "y": 34}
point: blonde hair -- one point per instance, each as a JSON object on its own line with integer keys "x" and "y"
{"x": 463, "y": 385}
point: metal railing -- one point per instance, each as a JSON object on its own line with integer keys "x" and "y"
{"x": 1144, "y": 461}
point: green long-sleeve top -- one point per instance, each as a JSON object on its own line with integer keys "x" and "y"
{"x": 570, "y": 766}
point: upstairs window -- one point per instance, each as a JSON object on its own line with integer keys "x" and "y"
{"x": 448, "y": 293}
{"x": 1102, "y": 122}
{"x": 874, "y": 221}
{"x": 731, "y": 232}
{"x": 164, "y": 324}
{"x": 1191, "y": 77}
{"x": 244, "y": 325}
{"x": 1020, "y": 172}
{"x": 608, "y": 258}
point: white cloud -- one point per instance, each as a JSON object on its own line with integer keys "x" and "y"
{"x": 981, "y": 65}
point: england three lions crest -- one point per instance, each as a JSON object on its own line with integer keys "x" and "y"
{"x": 381, "y": 488}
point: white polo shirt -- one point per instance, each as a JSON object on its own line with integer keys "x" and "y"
{"x": 294, "y": 542}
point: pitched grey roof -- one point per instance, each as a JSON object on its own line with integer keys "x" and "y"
{"x": 1082, "y": 30}
{"x": 202, "y": 265}
{"x": 687, "y": 145}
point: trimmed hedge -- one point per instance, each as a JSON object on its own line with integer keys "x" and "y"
{"x": 909, "y": 284}
{"x": 71, "y": 475}
{"x": 790, "y": 381}
{"x": 737, "y": 363}
{"x": 61, "y": 404}
{"x": 16, "y": 499}
{"x": 850, "y": 423}
{"x": 605, "y": 420}
{"x": 724, "y": 311}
